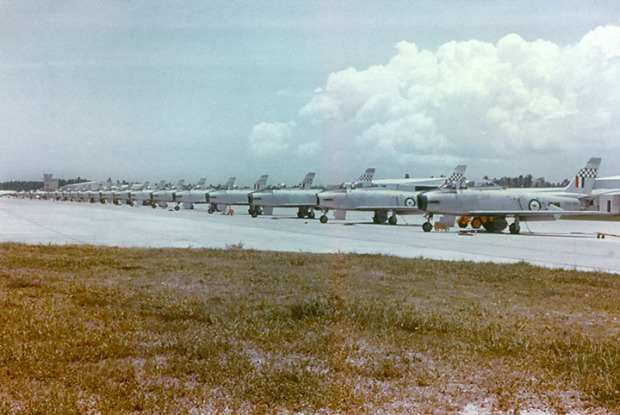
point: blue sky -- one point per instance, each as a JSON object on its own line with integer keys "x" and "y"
{"x": 150, "y": 90}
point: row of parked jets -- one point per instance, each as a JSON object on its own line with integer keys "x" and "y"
{"x": 487, "y": 206}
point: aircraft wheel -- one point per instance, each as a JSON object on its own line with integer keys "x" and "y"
{"x": 254, "y": 213}
{"x": 177, "y": 207}
{"x": 154, "y": 206}
{"x": 323, "y": 218}
{"x": 211, "y": 210}
{"x": 514, "y": 228}
{"x": 392, "y": 220}
{"x": 476, "y": 223}
{"x": 499, "y": 224}
{"x": 300, "y": 215}
{"x": 380, "y": 217}
{"x": 427, "y": 227}
{"x": 311, "y": 214}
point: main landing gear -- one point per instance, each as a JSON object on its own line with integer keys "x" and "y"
{"x": 515, "y": 228}
{"x": 381, "y": 216}
{"x": 254, "y": 211}
{"x": 305, "y": 211}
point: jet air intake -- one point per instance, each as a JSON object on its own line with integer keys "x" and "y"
{"x": 422, "y": 202}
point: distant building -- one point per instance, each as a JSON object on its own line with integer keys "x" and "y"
{"x": 49, "y": 184}
{"x": 609, "y": 203}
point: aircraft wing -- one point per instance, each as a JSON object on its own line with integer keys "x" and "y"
{"x": 533, "y": 214}
{"x": 606, "y": 192}
{"x": 377, "y": 207}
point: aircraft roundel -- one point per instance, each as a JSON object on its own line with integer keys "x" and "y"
{"x": 409, "y": 202}
{"x": 533, "y": 205}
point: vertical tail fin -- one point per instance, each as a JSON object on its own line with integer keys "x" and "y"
{"x": 583, "y": 182}
{"x": 230, "y": 183}
{"x": 458, "y": 173}
{"x": 456, "y": 178}
{"x": 365, "y": 179}
{"x": 306, "y": 183}
{"x": 200, "y": 184}
{"x": 261, "y": 183}
{"x": 367, "y": 176}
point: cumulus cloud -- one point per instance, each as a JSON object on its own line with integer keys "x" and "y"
{"x": 469, "y": 101}
{"x": 270, "y": 139}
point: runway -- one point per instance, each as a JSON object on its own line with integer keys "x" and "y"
{"x": 564, "y": 244}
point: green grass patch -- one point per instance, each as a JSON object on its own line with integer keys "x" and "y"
{"x": 110, "y": 330}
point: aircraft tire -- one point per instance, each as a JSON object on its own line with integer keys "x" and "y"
{"x": 300, "y": 215}
{"x": 254, "y": 213}
{"x": 499, "y": 224}
{"x": 311, "y": 214}
{"x": 427, "y": 227}
{"x": 177, "y": 207}
{"x": 392, "y": 220}
{"x": 323, "y": 219}
{"x": 514, "y": 229}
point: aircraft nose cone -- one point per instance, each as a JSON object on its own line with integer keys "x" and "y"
{"x": 422, "y": 202}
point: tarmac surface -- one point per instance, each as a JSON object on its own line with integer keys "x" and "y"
{"x": 567, "y": 244}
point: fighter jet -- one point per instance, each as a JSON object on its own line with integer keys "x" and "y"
{"x": 221, "y": 200}
{"x": 162, "y": 197}
{"x": 303, "y": 197}
{"x": 198, "y": 194}
{"x": 144, "y": 196}
{"x": 490, "y": 208}
{"x": 365, "y": 180}
{"x": 395, "y": 196}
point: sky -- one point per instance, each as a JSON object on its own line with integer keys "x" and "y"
{"x": 151, "y": 90}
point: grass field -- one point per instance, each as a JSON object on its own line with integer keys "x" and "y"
{"x": 109, "y": 330}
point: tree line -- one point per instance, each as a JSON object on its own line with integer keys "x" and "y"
{"x": 527, "y": 181}
{"x": 32, "y": 185}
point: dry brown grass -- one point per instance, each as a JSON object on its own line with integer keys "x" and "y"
{"x": 108, "y": 330}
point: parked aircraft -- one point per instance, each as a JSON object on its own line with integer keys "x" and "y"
{"x": 303, "y": 197}
{"x": 221, "y": 200}
{"x": 198, "y": 194}
{"x": 162, "y": 197}
{"x": 395, "y": 196}
{"x": 490, "y": 208}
